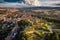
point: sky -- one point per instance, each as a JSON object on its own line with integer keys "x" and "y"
{"x": 29, "y": 2}
{"x": 22, "y": 0}
{"x": 41, "y": 1}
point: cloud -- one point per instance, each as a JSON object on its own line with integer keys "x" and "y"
{"x": 49, "y": 0}
{"x": 30, "y": 3}
{"x": 1, "y": 1}
{"x": 14, "y": 5}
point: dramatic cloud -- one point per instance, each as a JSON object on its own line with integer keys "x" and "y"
{"x": 28, "y": 3}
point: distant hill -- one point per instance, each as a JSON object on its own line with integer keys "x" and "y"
{"x": 41, "y": 7}
{"x": 57, "y": 4}
{"x": 37, "y": 7}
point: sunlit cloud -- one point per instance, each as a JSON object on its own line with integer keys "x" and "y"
{"x": 29, "y": 3}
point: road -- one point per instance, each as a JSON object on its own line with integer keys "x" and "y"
{"x": 57, "y": 30}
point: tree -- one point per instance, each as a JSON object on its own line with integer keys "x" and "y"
{"x": 22, "y": 24}
{"x": 52, "y": 36}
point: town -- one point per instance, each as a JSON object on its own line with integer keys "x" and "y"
{"x": 39, "y": 24}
